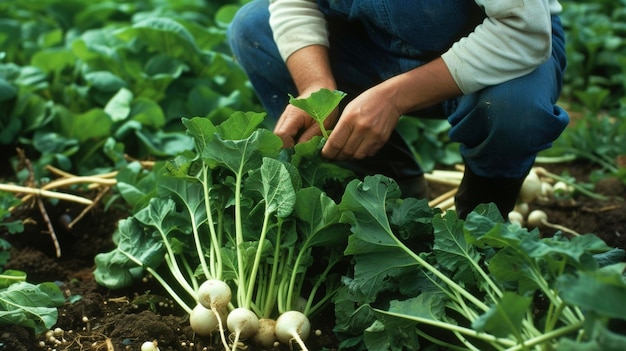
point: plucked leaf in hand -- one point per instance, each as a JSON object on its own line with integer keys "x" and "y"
{"x": 319, "y": 104}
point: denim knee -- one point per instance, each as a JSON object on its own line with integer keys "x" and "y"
{"x": 501, "y": 130}
{"x": 251, "y": 40}
{"x": 245, "y": 30}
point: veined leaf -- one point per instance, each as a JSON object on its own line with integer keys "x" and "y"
{"x": 31, "y": 306}
{"x": 601, "y": 291}
{"x": 375, "y": 248}
{"x": 278, "y": 191}
{"x": 452, "y": 251}
{"x": 505, "y": 318}
{"x": 400, "y": 318}
{"x": 319, "y": 104}
{"x": 163, "y": 35}
{"x": 115, "y": 269}
{"x": 202, "y": 130}
{"x": 240, "y": 125}
{"x": 118, "y": 107}
{"x": 240, "y": 156}
{"x": 322, "y": 217}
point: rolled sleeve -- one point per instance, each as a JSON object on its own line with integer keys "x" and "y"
{"x": 296, "y": 24}
{"x": 512, "y": 41}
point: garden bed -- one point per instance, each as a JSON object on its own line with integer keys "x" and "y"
{"x": 123, "y": 319}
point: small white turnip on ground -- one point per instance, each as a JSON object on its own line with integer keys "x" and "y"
{"x": 149, "y": 346}
{"x": 203, "y": 321}
{"x": 215, "y": 295}
{"x": 243, "y": 323}
{"x": 531, "y": 187}
{"x": 293, "y": 326}
{"x": 539, "y": 219}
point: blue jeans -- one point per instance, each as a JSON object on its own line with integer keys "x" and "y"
{"x": 500, "y": 128}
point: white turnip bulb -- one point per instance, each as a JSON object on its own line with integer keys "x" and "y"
{"x": 149, "y": 346}
{"x": 539, "y": 219}
{"x": 203, "y": 321}
{"x": 531, "y": 187}
{"x": 293, "y": 325}
{"x": 522, "y": 208}
{"x": 516, "y": 217}
{"x": 215, "y": 295}
{"x": 243, "y": 323}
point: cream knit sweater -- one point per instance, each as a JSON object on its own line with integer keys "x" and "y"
{"x": 513, "y": 40}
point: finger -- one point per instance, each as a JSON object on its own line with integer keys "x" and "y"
{"x": 288, "y": 127}
{"x": 281, "y": 130}
{"x": 309, "y": 133}
{"x": 343, "y": 143}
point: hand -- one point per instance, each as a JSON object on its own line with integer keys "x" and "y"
{"x": 296, "y": 126}
{"x": 364, "y": 126}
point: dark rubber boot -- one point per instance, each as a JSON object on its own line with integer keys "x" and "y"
{"x": 475, "y": 190}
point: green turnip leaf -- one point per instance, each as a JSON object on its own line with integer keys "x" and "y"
{"x": 278, "y": 191}
{"x": 601, "y": 291}
{"x": 376, "y": 250}
{"x": 505, "y": 318}
{"x": 319, "y": 105}
{"x": 453, "y": 253}
{"x": 29, "y": 305}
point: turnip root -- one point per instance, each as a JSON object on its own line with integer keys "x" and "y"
{"x": 562, "y": 190}
{"x": 203, "y": 321}
{"x": 516, "y": 217}
{"x": 531, "y": 187}
{"x": 293, "y": 325}
{"x": 265, "y": 337}
{"x": 547, "y": 193}
{"x": 215, "y": 295}
{"x": 539, "y": 218}
{"x": 522, "y": 208}
{"x": 243, "y": 323}
{"x": 149, "y": 346}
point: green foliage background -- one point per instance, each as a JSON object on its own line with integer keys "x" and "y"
{"x": 83, "y": 83}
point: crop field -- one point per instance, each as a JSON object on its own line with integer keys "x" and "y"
{"x": 145, "y": 203}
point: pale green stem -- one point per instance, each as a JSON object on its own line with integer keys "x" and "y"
{"x": 465, "y": 342}
{"x": 451, "y": 327}
{"x": 161, "y": 281}
{"x": 176, "y": 273}
{"x": 269, "y": 301}
{"x": 241, "y": 298}
{"x": 257, "y": 259}
{"x": 553, "y": 335}
{"x": 445, "y": 345}
{"x": 216, "y": 257}
{"x": 316, "y": 286}
{"x": 473, "y": 299}
{"x": 172, "y": 264}
{"x": 196, "y": 239}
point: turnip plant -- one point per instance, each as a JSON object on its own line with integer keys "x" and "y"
{"x": 484, "y": 285}
{"x": 237, "y": 215}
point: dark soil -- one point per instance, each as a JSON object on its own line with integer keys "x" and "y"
{"x": 122, "y": 320}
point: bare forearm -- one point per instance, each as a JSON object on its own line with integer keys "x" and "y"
{"x": 310, "y": 69}
{"x": 421, "y": 87}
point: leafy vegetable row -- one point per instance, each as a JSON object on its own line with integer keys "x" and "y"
{"x": 239, "y": 210}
